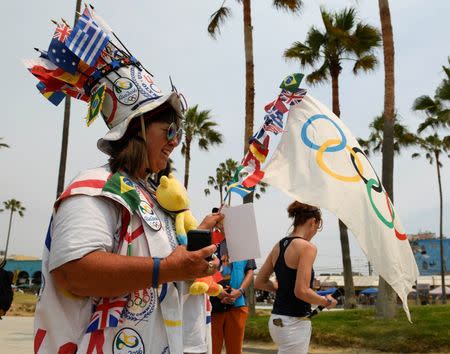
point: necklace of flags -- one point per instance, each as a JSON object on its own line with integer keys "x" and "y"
{"x": 77, "y": 58}
{"x": 248, "y": 174}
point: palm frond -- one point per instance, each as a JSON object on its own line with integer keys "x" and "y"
{"x": 365, "y": 63}
{"x": 425, "y": 103}
{"x": 320, "y": 75}
{"x": 217, "y": 19}
{"x": 304, "y": 54}
{"x": 293, "y": 6}
{"x": 364, "y": 39}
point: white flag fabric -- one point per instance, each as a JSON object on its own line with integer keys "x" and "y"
{"x": 319, "y": 162}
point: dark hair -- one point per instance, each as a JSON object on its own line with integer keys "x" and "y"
{"x": 130, "y": 152}
{"x": 215, "y": 210}
{"x": 301, "y": 213}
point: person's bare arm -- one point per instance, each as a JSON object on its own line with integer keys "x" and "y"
{"x": 302, "y": 289}
{"x": 105, "y": 274}
{"x": 262, "y": 280}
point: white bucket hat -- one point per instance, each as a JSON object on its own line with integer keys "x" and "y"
{"x": 90, "y": 63}
{"x": 130, "y": 92}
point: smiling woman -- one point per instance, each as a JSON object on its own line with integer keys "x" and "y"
{"x": 113, "y": 270}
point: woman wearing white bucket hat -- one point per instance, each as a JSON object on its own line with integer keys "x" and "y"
{"x": 113, "y": 271}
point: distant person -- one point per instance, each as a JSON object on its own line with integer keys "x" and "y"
{"x": 229, "y": 309}
{"x": 6, "y": 292}
{"x": 292, "y": 260}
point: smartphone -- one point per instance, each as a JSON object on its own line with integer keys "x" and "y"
{"x": 197, "y": 239}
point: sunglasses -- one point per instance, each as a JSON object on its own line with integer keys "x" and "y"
{"x": 174, "y": 132}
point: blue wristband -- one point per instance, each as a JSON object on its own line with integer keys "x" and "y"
{"x": 155, "y": 279}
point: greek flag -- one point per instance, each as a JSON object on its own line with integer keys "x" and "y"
{"x": 87, "y": 39}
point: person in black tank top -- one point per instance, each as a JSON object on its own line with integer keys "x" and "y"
{"x": 292, "y": 260}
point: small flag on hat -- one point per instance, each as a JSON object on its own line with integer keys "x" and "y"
{"x": 292, "y": 82}
{"x": 87, "y": 39}
{"x": 59, "y": 54}
{"x": 95, "y": 104}
{"x": 54, "y": 97}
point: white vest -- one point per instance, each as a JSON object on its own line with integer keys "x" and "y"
{"x": 146, "y": 321}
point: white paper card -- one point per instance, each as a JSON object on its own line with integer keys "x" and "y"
{"x": 241, "y": 232}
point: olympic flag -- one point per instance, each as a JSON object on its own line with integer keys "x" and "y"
{"x": 319, "y": 162}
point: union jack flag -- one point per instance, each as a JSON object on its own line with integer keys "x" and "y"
{"x": 62, "y": 32}
{"x": 292, "y": 98}
{"x": 107, "y": 313}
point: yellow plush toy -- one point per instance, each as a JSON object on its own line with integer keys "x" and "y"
{"x": 172, "y": 196}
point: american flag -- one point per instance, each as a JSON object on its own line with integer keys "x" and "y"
{"x": 87, "y": 39}
{"x": 276, "y": 117}
{"x": 292, "y": 98}
{"x": 107, "y": 313}
{"x": 269, "y": 126}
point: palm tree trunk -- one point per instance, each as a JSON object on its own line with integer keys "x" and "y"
{"x": 350, "y": 301}
{"x": 249, "y": 73}
{"x": 65, "y": 135}
{"x": 187, "y": 161}
{"x": 9, "y": 233}
{"x": 387, "y": 298}
{"x": 249, "y": 111}
{"x": 441, "y": 236}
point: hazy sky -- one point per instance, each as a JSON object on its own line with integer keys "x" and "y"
{"x": 170, "y": 38}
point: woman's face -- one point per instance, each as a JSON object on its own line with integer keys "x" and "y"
{"x": 159, "y": 147}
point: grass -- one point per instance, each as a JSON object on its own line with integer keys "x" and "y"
{"x": 429, "y": 332}
{"x": 23, "y": 304}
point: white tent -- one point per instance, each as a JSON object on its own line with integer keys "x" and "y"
{"x": 438, "y": 291}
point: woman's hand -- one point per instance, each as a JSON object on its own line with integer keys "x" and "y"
{"x": 184, "y": 265}
{"x": 331, "y": 304}
{"x": 210, "y": 221}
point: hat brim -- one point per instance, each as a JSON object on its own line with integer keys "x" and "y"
{"x": 119, "y": 130}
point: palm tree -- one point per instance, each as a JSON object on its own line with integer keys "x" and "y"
{"x": 197, "y": 125}
{"x": 437, "y": 116}
{"x": 387, "y": 298}
{"x": 343, "y": 39}
{"x": 15, "y": 207}
{"x": 217, "y": 19}
{"x": 224, "y": 174}
{"x": 434, "y": 147}
{"x": 402, "y": 137}
{"x": 66, "y": 124}
{"x": 3, "y": 145}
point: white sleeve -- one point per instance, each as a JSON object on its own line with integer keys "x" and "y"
{"x": 83, "y": 224}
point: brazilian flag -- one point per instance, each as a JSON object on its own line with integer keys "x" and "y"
{"x": 123, "y": 187}
{"x": 95, "y": 104}
{"x": 292, "y": 82}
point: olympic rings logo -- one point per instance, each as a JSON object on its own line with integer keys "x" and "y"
{"x": 336, "y": 145}
{"x": 139, "y": 301}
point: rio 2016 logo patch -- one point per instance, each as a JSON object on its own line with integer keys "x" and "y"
{"x": 140, "y": 305}
{"x": 149, "y": 216}
{"x": 128, "y": 341}
{"x": 126, "y": 91}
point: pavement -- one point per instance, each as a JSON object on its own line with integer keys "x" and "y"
{"x": 16, "y": 337}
